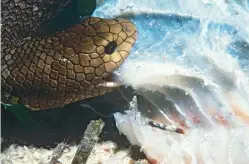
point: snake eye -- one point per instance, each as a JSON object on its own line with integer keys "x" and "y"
{"x": 110, "y": 48}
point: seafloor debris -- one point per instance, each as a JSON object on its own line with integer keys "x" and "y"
{"x": 57, "y": 153}
{"x": 90, "y": 152}
{"x": 88, "y": 141}
{"x": 31, "y": 155}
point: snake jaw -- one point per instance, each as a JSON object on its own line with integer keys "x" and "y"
{"x": 110, "y": 84}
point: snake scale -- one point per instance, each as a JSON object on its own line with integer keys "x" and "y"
{"x": 45, "y": 71}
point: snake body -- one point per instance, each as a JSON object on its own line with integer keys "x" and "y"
{"x": 48, "y": 71}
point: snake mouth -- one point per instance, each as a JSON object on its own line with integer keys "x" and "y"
{"x": 111, "y": 81}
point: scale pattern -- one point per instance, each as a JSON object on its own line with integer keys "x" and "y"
{"x": 48, "y": 71}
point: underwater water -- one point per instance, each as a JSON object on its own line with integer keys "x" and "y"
{"x": 191, "y": 63}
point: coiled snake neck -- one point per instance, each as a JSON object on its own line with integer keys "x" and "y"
{"x": 48, "y": 71}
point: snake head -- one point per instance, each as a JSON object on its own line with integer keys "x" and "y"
{"x": 113, "y": 40}
{"x": 97, "y": 47}
{"x": 105, "y": 44}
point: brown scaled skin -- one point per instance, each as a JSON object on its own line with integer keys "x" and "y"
{"x": 52, "y": 71}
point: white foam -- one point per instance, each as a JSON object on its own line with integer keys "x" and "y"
{"x": 201, "y": 48}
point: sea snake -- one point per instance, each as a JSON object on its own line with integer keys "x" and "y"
{"x": 45, "y": 71}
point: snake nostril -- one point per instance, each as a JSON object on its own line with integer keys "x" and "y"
{"x": 110, "y": 47}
